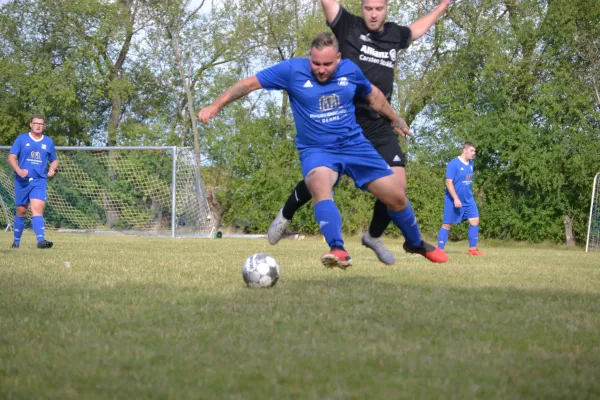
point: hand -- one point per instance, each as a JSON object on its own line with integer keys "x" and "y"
{"x": 22, "y": 173}
{"x": 401, "y": 128}
{"x": 51, "y": 173}
{"x": 445, "y": 3}
{"x": 208, "y": 113}
{"x": 457, "y": 203}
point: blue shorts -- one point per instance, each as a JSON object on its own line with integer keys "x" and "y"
{"x": 453, "y": 215}
{"x": 357, "y": 158}
{"x": 27, "y": 190}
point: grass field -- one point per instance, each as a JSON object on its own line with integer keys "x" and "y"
{"x": 171, "y": 319}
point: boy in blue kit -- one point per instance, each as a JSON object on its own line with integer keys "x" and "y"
{"x": 330, "y": 143}
{"x": 459, "y": 203}
{"x": 29, "y": 157}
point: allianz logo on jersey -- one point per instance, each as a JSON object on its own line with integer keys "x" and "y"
{"x": 368, "y": 50}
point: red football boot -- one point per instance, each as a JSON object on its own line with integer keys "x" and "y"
{"x": 475, "y": 252}
{"x": 428, "y": 251}
{"x": 337, "y": 258}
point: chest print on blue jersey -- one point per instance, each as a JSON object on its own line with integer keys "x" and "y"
{"x": 330, "y": 108}
{"x": 329, "y": 102}
{"x": 35, "y": 157}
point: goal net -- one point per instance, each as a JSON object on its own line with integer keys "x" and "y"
{"x": 593, "y": 236}
{"x": 143, "y": 190}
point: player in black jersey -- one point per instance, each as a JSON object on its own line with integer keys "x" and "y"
{"x": 373, "y": 44}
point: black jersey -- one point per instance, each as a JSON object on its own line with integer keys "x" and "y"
{"x": 374, "y": 52}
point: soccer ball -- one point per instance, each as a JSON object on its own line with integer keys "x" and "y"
{"x": 260, "y": 271}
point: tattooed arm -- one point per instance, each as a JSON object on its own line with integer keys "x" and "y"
{"x": 379, "y": 103}
{"x": 238, "y": 90}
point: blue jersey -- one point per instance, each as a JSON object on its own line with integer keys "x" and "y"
{"x": 33, "y": 155}
{"x": 323, "y": 112}
{"x": 462, "y": 178}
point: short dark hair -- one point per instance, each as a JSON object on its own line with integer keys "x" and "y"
{"x": 37, "y": 116}
{"x": 325, "y": 39}
{"x": 469, "y": 144}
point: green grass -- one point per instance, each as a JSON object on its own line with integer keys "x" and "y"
{"x": 161, "y": 318}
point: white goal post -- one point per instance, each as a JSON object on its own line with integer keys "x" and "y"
{"x": 593, "y": 234}
{"x": 130, "y": 189}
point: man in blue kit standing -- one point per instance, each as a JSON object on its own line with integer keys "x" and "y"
{"x": 330, "y": 143}
{"x": 459, "y": 203}
{"x": 29, "y": 157}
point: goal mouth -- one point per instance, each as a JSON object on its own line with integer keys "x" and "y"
{"x": 155, "y": 191}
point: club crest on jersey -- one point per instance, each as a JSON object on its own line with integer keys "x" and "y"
{"x": 43, "y": 147}
{"x": 330, "y": 102}
{"x": 343, "y": 81}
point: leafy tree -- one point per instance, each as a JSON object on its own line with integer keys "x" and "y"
{"x": 39, "y": 75}
{"x": 509, "y": 87}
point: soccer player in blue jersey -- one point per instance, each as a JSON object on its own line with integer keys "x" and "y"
{"x": 29, "y": 157}
{"x": 459, "y": 203}
{"x": 373, "y": 44}
{"x": 330, "y": 143}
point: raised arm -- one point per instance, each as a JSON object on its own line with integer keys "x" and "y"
{"x": 379, "y": 103}
{"x": 331, "y": 8}
{"x": 238, "y": 90}
{"x": 423, "y": 24}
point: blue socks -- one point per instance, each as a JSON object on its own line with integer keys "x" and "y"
{"x": 442, "y": 238}
{"x": 473, "y": 234}
{"x": 407, "y": 222}
{"x": 38, "y": 227}
{"x": 330, "y": 222}
{"x": 18, "y": 226}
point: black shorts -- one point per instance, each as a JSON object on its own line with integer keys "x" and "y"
{"x": 381, "y": 134}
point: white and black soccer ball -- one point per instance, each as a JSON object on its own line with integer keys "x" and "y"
{"x": 260, "y": 271}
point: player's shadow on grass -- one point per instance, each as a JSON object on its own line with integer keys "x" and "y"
{"x": 348, "y": 297}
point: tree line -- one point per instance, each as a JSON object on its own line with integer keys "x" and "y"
{"x": 519, "y": 78}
